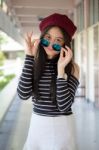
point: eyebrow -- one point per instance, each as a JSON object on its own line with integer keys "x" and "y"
{"x": 55, "y": 37}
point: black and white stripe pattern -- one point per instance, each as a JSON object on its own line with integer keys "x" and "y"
{"x": 65, "y": 90}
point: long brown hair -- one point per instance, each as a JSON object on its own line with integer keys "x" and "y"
{"x": 39, "y": 64}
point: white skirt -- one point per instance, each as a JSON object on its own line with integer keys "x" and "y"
{"x": 51, "y": 133}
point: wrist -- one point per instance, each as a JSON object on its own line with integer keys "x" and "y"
{"x": 28, "y": 53}
{"x": 29, "y": 56}
{"x": 61, "y": 71}
{"x": 64, "y": 76}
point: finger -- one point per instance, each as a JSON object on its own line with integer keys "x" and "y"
{"x": 68, "y": 48}
{"x": 70, "y": 54}
{"x": 61, "y": 52}
{"x": 28, "y": 42}
{"x": 36, "y": 43}
{"x": 33, "y": 42}
{"x": 64, "y": 52}
{"x": 26, "y": 38}
{"x": 29, "y": 35}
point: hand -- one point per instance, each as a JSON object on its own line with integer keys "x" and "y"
{"x": 31, "y": 45}
{"x": 65, "y": 57}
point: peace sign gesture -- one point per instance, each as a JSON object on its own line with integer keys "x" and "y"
{"x": 31, "y": 45}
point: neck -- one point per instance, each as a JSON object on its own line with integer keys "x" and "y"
{"x": 51, "y": 57}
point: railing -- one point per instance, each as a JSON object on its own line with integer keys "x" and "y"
{"x": 80, "y": 92}
{"x": 11, "y": 67}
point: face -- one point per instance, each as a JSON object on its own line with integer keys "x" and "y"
{"x": 54, "y": 36}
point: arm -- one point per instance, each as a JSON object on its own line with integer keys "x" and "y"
{"x": 74, "y": 78}
{"x": 66, "y": 89}
{"x": 25, "y": 85}
{"x": 24, "y": 88}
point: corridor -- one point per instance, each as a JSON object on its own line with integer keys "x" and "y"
{"x": 17, "y": 18}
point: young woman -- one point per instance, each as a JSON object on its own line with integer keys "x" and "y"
{"x": 51, "y": 77}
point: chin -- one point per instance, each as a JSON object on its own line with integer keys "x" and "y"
{"x": 50, "y": 55}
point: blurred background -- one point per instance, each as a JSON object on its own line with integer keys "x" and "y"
{"x": 16, "y": 19}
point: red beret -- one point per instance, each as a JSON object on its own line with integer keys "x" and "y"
{"x": 59, "y": 20}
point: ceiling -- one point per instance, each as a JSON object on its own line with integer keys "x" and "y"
{"x": 29, "y": 13}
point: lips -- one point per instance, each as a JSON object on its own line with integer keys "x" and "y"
{"x": 49, "y": 48}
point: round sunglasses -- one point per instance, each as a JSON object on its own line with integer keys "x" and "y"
{"x": 46, "y": 43}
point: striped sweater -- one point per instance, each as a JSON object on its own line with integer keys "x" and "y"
{"x": 65, "y": 90}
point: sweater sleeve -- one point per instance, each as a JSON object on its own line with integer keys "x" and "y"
{"x": 66, "y": 90}
{"x": 24, "y": 88}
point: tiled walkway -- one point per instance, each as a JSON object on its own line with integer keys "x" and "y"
{"x": 87, "y": 118}
{"x": 13, "y": 130}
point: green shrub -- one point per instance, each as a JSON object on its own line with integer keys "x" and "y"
{"x": 2, "y": 58}
{"x": 6, "y": 80}
{"x": 1, "y": 73}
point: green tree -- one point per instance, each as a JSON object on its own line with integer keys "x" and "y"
{"x": 2, "y": 41}
{"x": 2, "y": 58}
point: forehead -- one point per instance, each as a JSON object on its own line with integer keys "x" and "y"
{"x": 55, "y": 32}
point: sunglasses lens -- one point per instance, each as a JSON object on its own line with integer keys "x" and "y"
{"x": 45, "y": 42}
{"x": 56, "y": 47}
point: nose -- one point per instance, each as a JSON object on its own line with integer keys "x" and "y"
{"x": 54, "y": 46}
{"x": 51, "y": 43}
